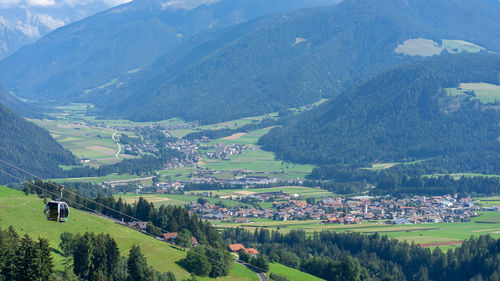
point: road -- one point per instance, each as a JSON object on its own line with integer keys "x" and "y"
{"x": 262, "y": 276}
{"x": 117, "y": 155}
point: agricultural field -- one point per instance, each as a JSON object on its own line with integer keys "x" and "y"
{"x": 484, "y": 92}
{"x": 429, "y": 235}
{"x": 257, "y": 160}
{"x": 308, "y": 192}
{"x": 112, "y": 178}
{"x": 175, "y": 200}
{"x": 25, "y": 214}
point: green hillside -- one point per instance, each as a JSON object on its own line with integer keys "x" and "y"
{"x": 403, "y": 115}
{"x": 28, "y": 146}
{"x": 291, "y": 273}
{"x": 25, "y": 214}
{"x": 283, "y": 61}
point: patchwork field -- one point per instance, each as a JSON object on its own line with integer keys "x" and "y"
{"x": 25, "y": 214}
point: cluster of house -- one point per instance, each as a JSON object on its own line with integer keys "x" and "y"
{"x": 245, "y": 181}
{"x": 224, "y": 151}
{"x": 235, "y": 248}
{"x": 418, "y": 209}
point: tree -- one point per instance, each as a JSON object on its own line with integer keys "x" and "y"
{"x": 184, "y": 238}
{"x": 243, "y": 256}
{"x": 221, "y": 261}
{"x": 45, "y": 259}
{"x": 136, "y": 264}
{"x": 27, "y": 266}
{"x": 197, "y": 262}
{"x": 260, "y": 263}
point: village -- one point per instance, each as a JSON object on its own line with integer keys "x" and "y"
{"x": 352, "y": 210}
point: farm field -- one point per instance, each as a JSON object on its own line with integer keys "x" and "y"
{"x": 25, "y": 214}
{"x": 175, "y": 200}
{"x": 303, "y": 191}
{"x": 108, "y": 178}
{"x": 257, "y": 160}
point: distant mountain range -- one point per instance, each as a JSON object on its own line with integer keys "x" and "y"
{"x": 420, "y": 111}
{"x": 23, "y": 22}
{"x": 97, "y": 51}
{"x": 28, "y": 146}
{"x": 149, "y": 61}
{"x": 282, "y": 61}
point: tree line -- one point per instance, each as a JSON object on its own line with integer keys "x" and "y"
{"x": 356, "y": 256}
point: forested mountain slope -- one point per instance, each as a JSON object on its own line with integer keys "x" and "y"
{"x": 99, "y": 51}
{"x": 18, "y": 106}
{"x": 30, "y": 147}
{"x": 287, "y": 60}
{"x": 402, "y": 115}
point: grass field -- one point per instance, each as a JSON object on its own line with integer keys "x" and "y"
{"x": 175, "y": 200}
{"x": 459, "y": 46}
{"x": 25, "y": 214}
{"x": 291, "y": 273}
{"x": 108, "y": 178}
{"x": 258, "y": 160}
{"x": 303, "y": 191}
{"x": 484, "y": 92}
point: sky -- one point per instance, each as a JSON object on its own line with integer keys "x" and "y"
{"x": 50, "y": 3}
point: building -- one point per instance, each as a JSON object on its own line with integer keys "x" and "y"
{"x": 234, "y": 248}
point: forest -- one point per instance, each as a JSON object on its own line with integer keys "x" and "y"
{"x": 356, "y": 256}
{"x": 26, "y": 145}
{"x": 91, "y": 257}
{"x": 402, "y": 115}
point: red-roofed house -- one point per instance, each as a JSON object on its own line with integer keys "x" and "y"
{"x": 234, "y": 248}
{"x": 252, "y": 252}
{"x": 170, "y": 237}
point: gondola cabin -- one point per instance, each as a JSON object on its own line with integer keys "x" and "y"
{"x": 57, "y": 211}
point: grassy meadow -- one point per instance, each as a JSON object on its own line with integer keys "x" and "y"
{"x": 25, "y": 214}
{"x": 484, "y": 92}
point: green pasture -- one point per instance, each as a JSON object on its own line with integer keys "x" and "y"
{"x": 111, "y": 177}
{"x": 484, "y": 92}
{"x": 302, "y": 191}
{"x": 291, "y": 273}
{"x": 175, "y": 200}
{"x": 459, "y": 46}
{"x": 25, "y": 214}
{"x": 258, "y": 160}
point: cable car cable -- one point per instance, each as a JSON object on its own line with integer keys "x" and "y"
{"x": 97, "y": 203}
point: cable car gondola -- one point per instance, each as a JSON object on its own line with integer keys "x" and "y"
{"x": 57, "y": 210}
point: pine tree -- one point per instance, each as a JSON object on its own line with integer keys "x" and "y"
{"x": 136, "y": 264}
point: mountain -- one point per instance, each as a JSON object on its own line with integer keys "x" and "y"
{"x": 23, "y": 22}
{"x": 29, "y": 147}
{"x": 97, "y": 51}
{"x": 431, "y": 109}
{"x": 288, "y": 60}
{"x": 18, "y": 106}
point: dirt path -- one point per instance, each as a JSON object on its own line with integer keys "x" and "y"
{"x": 117, "y": 155}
